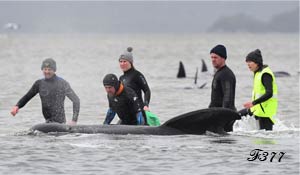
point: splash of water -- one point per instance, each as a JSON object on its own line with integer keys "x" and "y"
{"x": 249, "y": 126}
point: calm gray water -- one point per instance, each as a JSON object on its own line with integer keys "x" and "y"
{"x": 83, "y": 60}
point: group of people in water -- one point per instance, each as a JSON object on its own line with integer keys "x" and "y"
{"x": 125, "y": 98}
{"x": 263, "y": 105}
{"x": 124, "y": 94}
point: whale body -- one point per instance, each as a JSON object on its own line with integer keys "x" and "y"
{"x": 196, "y": 122}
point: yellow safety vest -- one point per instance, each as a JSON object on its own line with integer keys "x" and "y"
{"x": 267, "y": 108}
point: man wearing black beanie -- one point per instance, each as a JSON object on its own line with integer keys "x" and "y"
{"x": 122, "y": 101}
{"x": 223, "y": 84}
{"x": 264, "y": 97}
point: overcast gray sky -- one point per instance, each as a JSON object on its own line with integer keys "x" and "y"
{"x": 131, "y": 16}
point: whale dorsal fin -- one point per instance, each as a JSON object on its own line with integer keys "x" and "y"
{"x": 181, "y": 71}
{"x": 204, "y": 67}
{"x": 196, "y": 76}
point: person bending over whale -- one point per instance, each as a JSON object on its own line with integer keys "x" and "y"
{"x": 122, "y": 101}
{"x": 52, "y": 90}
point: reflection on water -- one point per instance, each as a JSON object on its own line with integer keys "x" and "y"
{"x": 264, "y": 141}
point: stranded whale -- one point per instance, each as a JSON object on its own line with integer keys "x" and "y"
{"x": 196, "y": 122}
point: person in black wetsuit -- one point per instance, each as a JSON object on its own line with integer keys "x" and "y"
{"x": 223, "y": 84}
{"x": 264, "y": 97}
{"x": 122, "y": 101}
{"x": 133, "y": 78}
{"x": 52, "y": 90}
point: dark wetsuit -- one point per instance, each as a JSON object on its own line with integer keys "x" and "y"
{"x": 127, "y": 105}
{"x": 223, "y": 91}
{"x": 136, "y": 81}
{"x": 52, "y": 93}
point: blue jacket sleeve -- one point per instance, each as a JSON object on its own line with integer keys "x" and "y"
{"x": 109, "y": 116}
{"x": 140, "y": 118}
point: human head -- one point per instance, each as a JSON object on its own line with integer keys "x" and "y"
{"x": 126, "y": 60}
{"x": 48, "y": 67}
{"x": 111, "y": 84}
{"x": 219, "y": 50}
{"x": 50, "y": 63}
{"x": 256, "y": 57}
{"x": 218, "y": 56}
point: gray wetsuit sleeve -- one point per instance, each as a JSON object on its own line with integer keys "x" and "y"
{"x": 29, "y": 95}
{"x": 74, "y": 98}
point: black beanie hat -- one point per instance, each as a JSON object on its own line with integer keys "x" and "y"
{"x": 255, "y": 56}
{"x": 50, "y": 63}
{"x": 219, "y": 50}
{"x": 111, "y": 80}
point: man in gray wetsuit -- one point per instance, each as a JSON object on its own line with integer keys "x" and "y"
{"x": 52, "y": 90}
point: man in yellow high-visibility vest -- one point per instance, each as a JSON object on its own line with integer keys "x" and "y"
{"x": 264, "y": 96}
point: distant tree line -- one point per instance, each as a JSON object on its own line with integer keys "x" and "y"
{"x": 287, "y": 22}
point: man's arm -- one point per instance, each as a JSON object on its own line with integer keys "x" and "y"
{"x": 110, "y": 115}
{"x": 76, "y": 101}
{"x": 228, "y": 91}
{"x": 140, "y": 118}
{"x": 28, "y": 96}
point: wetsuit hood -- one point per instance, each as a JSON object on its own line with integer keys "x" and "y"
{"x": 111, "y": 80}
